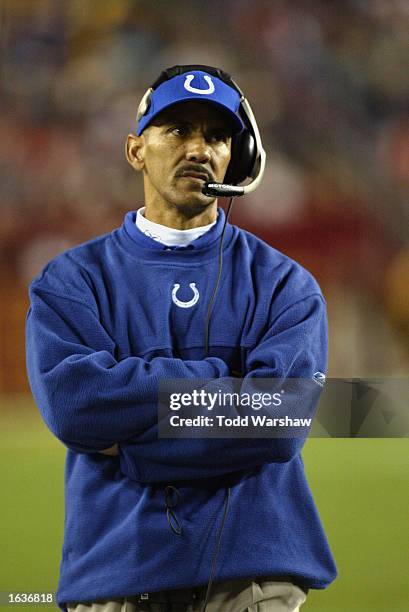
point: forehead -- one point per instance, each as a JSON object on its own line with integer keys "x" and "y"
{"x": 194, "y": 112}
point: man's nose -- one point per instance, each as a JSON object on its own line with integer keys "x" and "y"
{"x": 198, "y": 149}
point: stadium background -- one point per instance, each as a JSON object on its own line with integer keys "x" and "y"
{"x": 329, "y": 85}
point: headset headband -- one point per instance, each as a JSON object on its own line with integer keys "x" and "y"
{"x": 169, "y": 73}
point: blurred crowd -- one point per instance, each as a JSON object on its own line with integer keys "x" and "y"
{"x": 328, "y": 82}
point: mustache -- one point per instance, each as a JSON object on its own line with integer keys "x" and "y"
{"x": 196, "y": 168}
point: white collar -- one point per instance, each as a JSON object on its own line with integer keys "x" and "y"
{"x": 168, "y": 235}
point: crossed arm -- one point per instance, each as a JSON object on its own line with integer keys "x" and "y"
{"x": 94, "y": 403}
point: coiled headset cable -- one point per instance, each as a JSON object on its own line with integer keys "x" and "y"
{"x": 217, "y": 283}
{"x": 206, "y": 343}
{"x": 216, "y": 550}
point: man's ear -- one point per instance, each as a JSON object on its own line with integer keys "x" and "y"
{"x": 134, "y": 151}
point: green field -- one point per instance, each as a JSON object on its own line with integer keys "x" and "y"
{"x": 361, "y": 488}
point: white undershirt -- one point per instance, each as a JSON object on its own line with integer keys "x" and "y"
{"x": 168, "y": 235}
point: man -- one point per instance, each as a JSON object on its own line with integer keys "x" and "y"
{"x": 173, "y": 524}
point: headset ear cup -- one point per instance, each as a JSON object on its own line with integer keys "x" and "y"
{"x": 243, "y": 157}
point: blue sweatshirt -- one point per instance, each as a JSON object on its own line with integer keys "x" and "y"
{"x": 111, "y": 318}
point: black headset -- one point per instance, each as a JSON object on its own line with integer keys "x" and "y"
{"x": 247, "y": 153}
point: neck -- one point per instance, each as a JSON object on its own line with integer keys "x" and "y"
{"x": 181, "y": 217}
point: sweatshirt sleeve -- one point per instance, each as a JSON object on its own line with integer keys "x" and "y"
{"x": 294, "y": 346}
{"x": 88, "y": 398}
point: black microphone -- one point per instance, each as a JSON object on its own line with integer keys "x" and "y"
{"x": 222, "y": 190}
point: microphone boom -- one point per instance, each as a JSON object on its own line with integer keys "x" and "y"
{"x": 222, "y": 190}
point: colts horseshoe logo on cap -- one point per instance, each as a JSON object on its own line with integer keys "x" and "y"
{"x": 188, "y": 86}
{"x": 191, "y": 302}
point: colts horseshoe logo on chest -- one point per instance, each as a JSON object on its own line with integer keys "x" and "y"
{"x": 182, "y": 304}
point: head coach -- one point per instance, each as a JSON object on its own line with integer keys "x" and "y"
{"x": 177, "y": 292}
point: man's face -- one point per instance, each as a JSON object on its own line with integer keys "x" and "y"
{"x": 184, "y": 147}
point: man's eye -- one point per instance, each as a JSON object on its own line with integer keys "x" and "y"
{"x": 218, "y": 137}
{"x": 179, "y": 130}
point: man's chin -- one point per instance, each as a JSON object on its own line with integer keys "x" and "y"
{"x": 193, "y": 204}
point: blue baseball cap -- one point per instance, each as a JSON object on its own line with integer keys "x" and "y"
{"x": 194, "y": 85}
